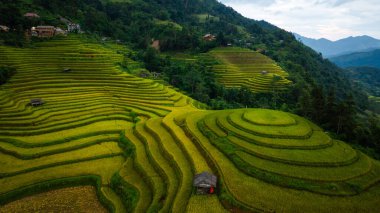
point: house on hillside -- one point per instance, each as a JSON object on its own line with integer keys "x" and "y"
{"x": 43, "y": 31}
{"x": 31, "y": 15}
{"x": 209, "y": 37}
{"x": 205, "y": 183}
{"x": 73, "y": 27}
{"x": 156, "y": 75}
{"x": 66, "y": 70}
{"x": 264, "y": 72}
{"x": 4, "y": 28}
{"x": 155, "y": 44}
{"x": 59, "y": 31}
{"x": 36, "y": 102}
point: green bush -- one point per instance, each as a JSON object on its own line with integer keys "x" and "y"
{"x": 129, "y": 195}
{"x": 5, "y": 73}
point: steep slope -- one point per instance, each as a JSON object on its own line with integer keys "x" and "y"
{"x": 181, "y": 25}
{"x": 344, "y": 46}
{"x": 76, "y": 132}
{"x": 86, "y": 132}
{"x": 359, "y": 59}
{"x": 369, "y": 77}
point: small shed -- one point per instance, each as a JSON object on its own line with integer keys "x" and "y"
{"x": 264, "y": 72}
{"x": 156, "y": 75}
{"x": 155, "y": 44}
{"x": 205, "y": 183}
{"x": 36, "y": 102}
{"x": 66, "y": 69}
{"x": 4, "y": 28}
{"x": 59, "y": 31}
{"x": 209, "y": 37}
{"x": 31, "y": 15}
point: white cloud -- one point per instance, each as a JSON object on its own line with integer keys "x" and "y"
{"x": 332, "y": 19}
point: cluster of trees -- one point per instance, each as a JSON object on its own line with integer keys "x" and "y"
{"x": 5, "y": 73}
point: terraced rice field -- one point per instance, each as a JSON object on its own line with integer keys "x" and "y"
{"x": 242, "y": 67}
{"x": 76, "y": 199}
{"x": 265, "y": 160}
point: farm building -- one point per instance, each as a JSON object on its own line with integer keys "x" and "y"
{"x": 36, "y": 102}
{"x": 205, "y": 183}
{"x": 72, "y": 27}
{"x": 156, "y": 44}
{"x": 4, "y": 28}
{"x": 264, "y": 72}
{"x": 43, "y": 31}
{"x": 59, "y": 31}
{"x": 209, "y": 37}
{"x": 31, "y": 15}
{"x": 156, "y": 75}
{"x": 67, "y": 70}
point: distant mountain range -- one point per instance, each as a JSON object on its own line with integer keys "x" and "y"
{"x": 369, "y": 59}
{"x": 344, "y": 46}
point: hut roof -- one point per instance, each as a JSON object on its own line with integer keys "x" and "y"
{"x": 204, "y": 178}
{"x": 45, "y": 27}
{"x": 36, "y": 100}
{"x": 32, "y": 15}
{"x": 4, "y": 28}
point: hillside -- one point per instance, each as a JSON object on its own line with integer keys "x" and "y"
{"x": 330, "y": 49}
{"x": 140, "y": 143}
{"x": 359, "y": 59}
{"x": 241, "y": 67}
{"x": 369, "y": 77}
{"x": 180, "y": 26}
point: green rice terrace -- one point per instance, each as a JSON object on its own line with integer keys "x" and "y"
{"x": 140, "y": 143}
{"x": 243, "y": 67}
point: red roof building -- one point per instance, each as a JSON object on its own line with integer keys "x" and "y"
{"x": 209, "y": 37}
{"x": 31, "y": 15}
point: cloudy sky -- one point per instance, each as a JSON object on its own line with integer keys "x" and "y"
{"x": 331, "y": 19}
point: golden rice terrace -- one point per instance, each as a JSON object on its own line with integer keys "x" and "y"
{"x": 240, "y": 67}
{"x": 140, "y": 143}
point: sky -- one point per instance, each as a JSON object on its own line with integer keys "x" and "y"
{"x": 331, "y": 19}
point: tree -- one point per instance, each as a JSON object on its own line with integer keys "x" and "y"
{"x": 318, "y": 102}
{"x": 331, "y": 110}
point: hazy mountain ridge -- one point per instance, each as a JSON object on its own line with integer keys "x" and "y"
{"x": 340, "y": 47}
{"x": 370, "y": 59}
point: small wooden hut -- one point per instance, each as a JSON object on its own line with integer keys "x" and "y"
{"x": 36, "y": 102}
{"x": 66, "y": 70}
{"x": 205, "y": 183}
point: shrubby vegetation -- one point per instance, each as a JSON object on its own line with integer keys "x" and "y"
{"x": 5, "y": 73}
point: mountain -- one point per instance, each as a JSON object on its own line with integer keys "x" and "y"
{"x": 369, "y": 59}
{"x": 343, "y": 46}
